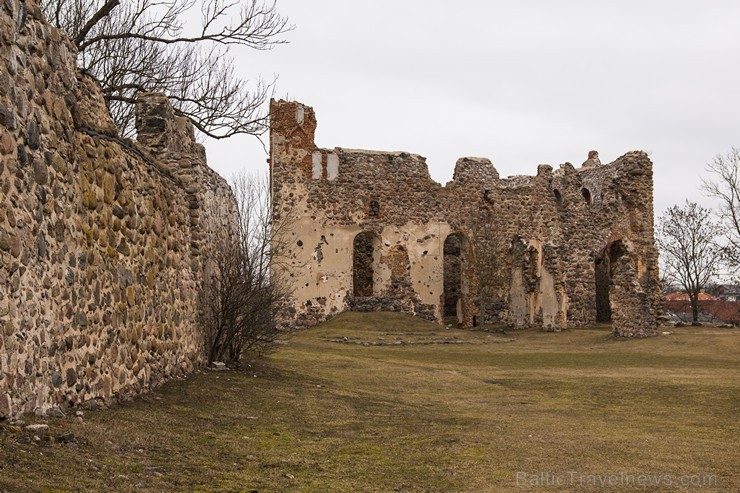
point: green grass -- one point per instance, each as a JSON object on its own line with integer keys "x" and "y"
{"x": 403, "y": 405}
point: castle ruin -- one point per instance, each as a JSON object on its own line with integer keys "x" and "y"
{"x": 371, "y": 230}
{"x": 105, "y": 241}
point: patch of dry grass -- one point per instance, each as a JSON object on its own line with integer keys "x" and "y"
{"x": 383, "y": 402}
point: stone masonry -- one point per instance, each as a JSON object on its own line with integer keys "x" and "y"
{"x": 101, "y": 238}
{"x": 547, "y": 251}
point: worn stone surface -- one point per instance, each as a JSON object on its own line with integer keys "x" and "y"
{"x": 101, "y": 238}
{"x": 367, "y": 232}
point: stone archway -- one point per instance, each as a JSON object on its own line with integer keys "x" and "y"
{"x": 630, "y": 292}
{"x": 365, "y": 249}
{"x": 605, "y": 265}
{"x": 602, "y": 280}
{"x": 452, "y": 275}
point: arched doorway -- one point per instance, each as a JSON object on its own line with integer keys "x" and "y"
{"x": 605, "y": 262}
{"x": 452, "y": 274}
{"x": 364, "y": 250}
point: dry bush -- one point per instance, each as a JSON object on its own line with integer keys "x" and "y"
{"x": 241, "y": 295}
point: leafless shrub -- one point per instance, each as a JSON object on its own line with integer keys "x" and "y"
{"x": 241, "y": 295}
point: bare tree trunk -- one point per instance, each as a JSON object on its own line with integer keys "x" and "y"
{"x": 694, "y": 299}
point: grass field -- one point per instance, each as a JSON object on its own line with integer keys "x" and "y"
{"x": 384, "y": 402}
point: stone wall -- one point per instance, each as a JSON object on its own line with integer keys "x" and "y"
{"x": 529, "y": 245}
{"x": 101, "y": 238}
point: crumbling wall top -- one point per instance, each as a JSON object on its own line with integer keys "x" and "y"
{"x": 474, "y": 170}
{"x": 293, "y": 120}
{"x": 160, "y": 129}
{"x": 592, "y": 161}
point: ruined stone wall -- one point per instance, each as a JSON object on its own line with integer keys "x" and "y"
{"x": 101, "y": 238}
{"x": 529, "y": 244}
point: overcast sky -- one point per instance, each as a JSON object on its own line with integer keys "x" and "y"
{"x": 521, "y": 82}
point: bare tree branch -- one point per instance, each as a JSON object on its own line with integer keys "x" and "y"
{"x": 725, "y": 186}
{"x": 147, "y": 45}
{"x": 100, "y": 14}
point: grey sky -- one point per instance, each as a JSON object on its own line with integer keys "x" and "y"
{"x": 520, "y": 82}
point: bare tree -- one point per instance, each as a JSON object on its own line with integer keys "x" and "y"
{"x": 149, "y": 45}
{"x": 241, "y": 295}
{"x": 725, "y": 186}
{"x": 688, "y": 242}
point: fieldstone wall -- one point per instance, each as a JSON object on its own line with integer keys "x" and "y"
{"x": 529, "y": 245}
{"x": 101, "y": 238}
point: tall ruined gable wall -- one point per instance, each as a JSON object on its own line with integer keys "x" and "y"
{"x": 101, "y": 238}
{"x": 541, "y": 234}
{"x": 329, "y": 196}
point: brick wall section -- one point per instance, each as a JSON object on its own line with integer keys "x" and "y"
{"x": 727, "y": 311}
{"x": 540, "y": 235}
{"x": 101, "y": 238}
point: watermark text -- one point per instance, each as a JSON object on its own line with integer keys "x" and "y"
{"x": 620, "y": 479}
